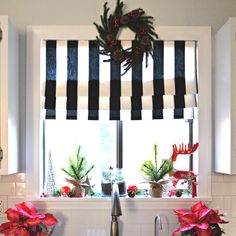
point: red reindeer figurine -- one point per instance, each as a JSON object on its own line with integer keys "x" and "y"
{"x": 188, "y": 176}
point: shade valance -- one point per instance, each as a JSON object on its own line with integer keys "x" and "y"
{"x": 77, "y": 83}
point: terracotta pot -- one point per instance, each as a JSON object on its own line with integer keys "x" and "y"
{"x": 77, "y": 191}
{"x": 155, "y": 190}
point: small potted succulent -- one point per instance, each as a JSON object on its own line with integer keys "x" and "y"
{"x": 113, "y": 175}
{"x": 155, "y": 175}
{"x": 77, "y": 173}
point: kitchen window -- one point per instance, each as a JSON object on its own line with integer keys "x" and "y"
{"x": 36, "y": 126}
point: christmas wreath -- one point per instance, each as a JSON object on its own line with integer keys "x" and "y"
{"x": 136, "y": 21}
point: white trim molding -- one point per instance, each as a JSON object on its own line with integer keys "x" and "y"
{"x": 35, "y": 34}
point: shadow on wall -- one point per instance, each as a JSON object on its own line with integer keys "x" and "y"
{"x": 60, "y": 227}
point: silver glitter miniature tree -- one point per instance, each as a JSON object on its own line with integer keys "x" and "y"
{"x": 50, "y": 181}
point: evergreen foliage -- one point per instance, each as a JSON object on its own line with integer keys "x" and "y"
{"x": 136, "y": 21}
{"x": 152, "y": 172}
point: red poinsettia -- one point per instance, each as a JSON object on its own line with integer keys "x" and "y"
{"x": 201, "y": 221}
{"x": 25, "y": 221}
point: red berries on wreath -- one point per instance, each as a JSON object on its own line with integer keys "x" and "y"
{"x": 137, "y": 22}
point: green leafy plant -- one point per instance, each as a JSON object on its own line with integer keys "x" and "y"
{"x": 154, "y": 173}
{"x": 77, "y": 173}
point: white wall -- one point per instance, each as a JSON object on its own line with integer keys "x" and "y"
{"x": 79, "y": 12}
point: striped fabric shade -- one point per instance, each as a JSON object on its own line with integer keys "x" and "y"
{"x": 77, "y": 84}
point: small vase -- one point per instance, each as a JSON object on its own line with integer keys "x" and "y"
{"x": 107, "y": 188}
{"x": 155, "y": 190}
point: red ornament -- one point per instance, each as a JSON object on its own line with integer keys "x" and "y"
{"x": 116, "y": 23}
{"x": 65, "y": 190}
{"x": 134, "y": 13}
{"x": 124, "y": 20}
{"x": 137, "y": 50}
{"x": 132, "y": 190}
{"x": 112, "y": 43}
{"x": 142, "y": 31}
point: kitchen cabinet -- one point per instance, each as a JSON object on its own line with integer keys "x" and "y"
{"x": 225, "y": 98}
{"x": 9, "y": 97}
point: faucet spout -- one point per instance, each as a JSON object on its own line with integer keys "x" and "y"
{"x": 115, "y": 210}
{"x": 157, "y": 225}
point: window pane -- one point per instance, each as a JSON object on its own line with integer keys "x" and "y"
{"x": 139, "y": 138}
{"x": 97, "y": 140}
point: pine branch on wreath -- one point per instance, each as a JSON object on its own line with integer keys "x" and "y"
{"x": 136, "y": 21}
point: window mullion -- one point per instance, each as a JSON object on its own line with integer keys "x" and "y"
{"x": 119, "y": 144}
{"x": 190, "y": 125}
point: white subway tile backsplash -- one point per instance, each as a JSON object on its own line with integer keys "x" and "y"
{"x": 96, "y": 232}
{"x": 13, "y": 200}
{"x": 132, "y": 222}
{"x": 7, "y": 189}
{"x": 20, "y": 189}
{"x": 221, "y": 202}
{"x": 216, "y": 178}
{"x": 230, "y": 178}
{"x": 222, "y": 189}
{"x": 228, "y": 203}
{"x": 131, "y": 229}
{"x": 3, "y": 219}
{"x": 19, "y": 177}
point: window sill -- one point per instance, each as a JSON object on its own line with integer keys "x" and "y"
{"x": 136, "y": 203}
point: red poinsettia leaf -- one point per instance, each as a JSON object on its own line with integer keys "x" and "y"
{"x": 24, "y": 210}
{"x": 176, "y": 232}
{"x": 33, "y": 221}
{"x": 213, "y": 218}
{"x": 11, "y": 230}
{"x": 23, "y": 232}
{"x": 49, "y": 220}
{"x": 42, "y": 234}
{"x": 12, "y": 215}
{"x": 203, "y": 226}
{"x": 181, "y": 212}
{"x": 204, "y": 232}
{"x": 39, "y": 216}
{"x": 5, "y": 226}
{"x": 198, "y": 206}
{"x": 187, "y": 227}
{"x": 27, "y": 206}
{"x": 202, "y": 213}
{"x": 183, "y": 229}
{"x": 188, "y": 218}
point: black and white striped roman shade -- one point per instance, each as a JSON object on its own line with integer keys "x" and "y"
{"x": 77, "y": 84}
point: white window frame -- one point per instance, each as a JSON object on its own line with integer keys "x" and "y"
{"x": 35, "y": 34}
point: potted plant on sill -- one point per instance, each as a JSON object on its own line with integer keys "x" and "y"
{"x": 78, "y": 171}
{"x": 113, "y": 176}
{"x": 155, "y": 175}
